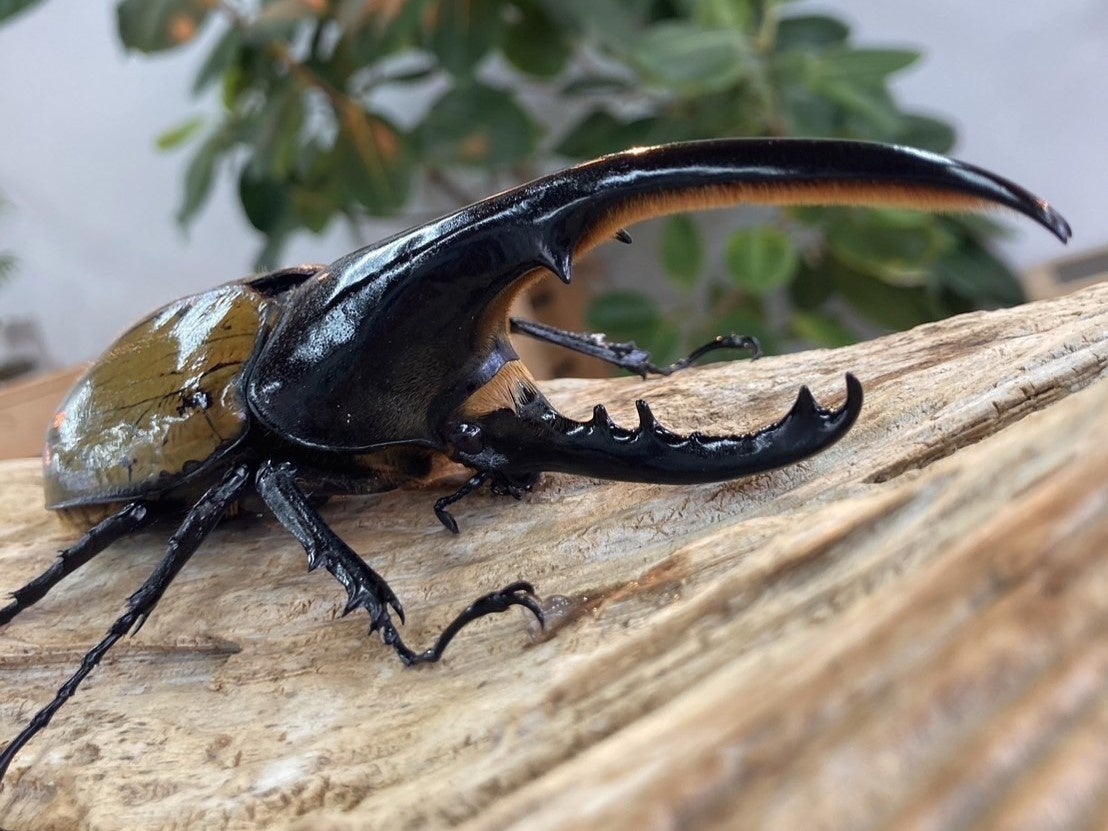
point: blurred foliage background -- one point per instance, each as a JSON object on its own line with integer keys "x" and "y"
{"x": 345, "y": 110}
{"x": 7, "y": 258}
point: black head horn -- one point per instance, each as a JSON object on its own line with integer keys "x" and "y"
{"x": 538, "y": 438}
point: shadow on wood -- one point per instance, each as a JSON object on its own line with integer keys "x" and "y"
{"x": 906, "y": 631}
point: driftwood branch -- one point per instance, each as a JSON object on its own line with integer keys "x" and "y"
{"x": 905, "y": 631}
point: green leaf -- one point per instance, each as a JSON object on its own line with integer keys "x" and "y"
{"x": 810, "y": 33}
{"x": 536, "y": 43}
{"x": 7, "y": 265}
{"x": 264, "y": 200}
{"x": 895, "y": 245}
{"x": 662, "y": 343}
{"x": 236, "y": 81}
{"x": 156, "y": 25}
{"x": 222, "y": 57}
{"x": 811, "y": 288}
{"x": 10, "y": 8}
{"x": 854, "y": 79}
{"x": 599, "y": 133}
{"x": 276, "y": 135}
{"x": 270, "y": 255}
{"x": 176, "y": 136}
{"x": 598, "y": 85}
{"x": 872, "y": 103}
{"x": 479, "y": 125}
{"x": 740, "y": 15}
{"x": 926, "y": 133}
{"x": 318, "y": 190}
{"x": 692, "y": 59}
{"x": 620, "y": 312}
{"x": 809, "y": 113}
{"x": 463, "y": 32}
{"x": 370, "y": 161}
{"x": 682, "y": 250}
{"x": 199, "y": 177}
{"x": 285, "y": 15}
{"x": 605, "y": 21}
{"x": 973, "y": 272}
{"x": 978, "y": 226}
{"x": 761, "y": 259}
{"x": 387, "y": 28}
{"x": 822, "y": 329}
{"x": 893, "y": 307}
{"x": 313, "y": 206}
{"x": 282, "y": 21}
{"x": 866, "y": 65}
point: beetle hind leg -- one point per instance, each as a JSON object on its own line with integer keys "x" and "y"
{"x": 132, "y": 517}
{"x": 626, "y": 355}
{"x": 365, "y": 588}
{"x": 515, "y": 594}
{"x": 197, "y": 524}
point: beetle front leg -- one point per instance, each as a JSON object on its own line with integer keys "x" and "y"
{"x": 626, "y": 355}
{"x": 365, "y": 588}
{"x": 502, "y": 485}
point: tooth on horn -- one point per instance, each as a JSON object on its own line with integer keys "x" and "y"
{"x": 647, "y": 421}
{"x": 602, "y": 420}
{"x": 560, "y": 263}
{"x": 805, "y": 404}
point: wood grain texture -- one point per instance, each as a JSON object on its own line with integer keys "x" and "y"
{"x": 906, "y": 631}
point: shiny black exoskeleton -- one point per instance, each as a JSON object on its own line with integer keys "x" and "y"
{"x": 362, "y": 375}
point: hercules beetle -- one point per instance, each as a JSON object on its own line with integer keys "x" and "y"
{"x": 321, "y": 380}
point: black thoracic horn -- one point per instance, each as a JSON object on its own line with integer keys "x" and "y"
{"x": 434, "y": 299}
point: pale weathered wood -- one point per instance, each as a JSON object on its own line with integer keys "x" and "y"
{"x": 907, "y": 631}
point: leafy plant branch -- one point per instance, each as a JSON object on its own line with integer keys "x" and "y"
{"x": 341, "y": 109}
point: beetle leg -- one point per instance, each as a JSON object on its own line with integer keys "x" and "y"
{"x": 197, "y": 524}
{"x": 465, "y": 490}
{"x": 515, "y": 594}
{"x": 626, "y": 355}
{"x": 502, "y": 485}
{"x": 133, "y": 516}
{"x": 365, "y": 587}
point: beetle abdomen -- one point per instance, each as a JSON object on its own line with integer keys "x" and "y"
{"x": 163, "y": 404}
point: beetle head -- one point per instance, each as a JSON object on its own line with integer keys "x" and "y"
{"x": 406, "y": 341}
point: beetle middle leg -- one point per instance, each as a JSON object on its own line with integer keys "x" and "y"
{"x": 365, "y": 588}
{"x": 197, "y": 524}
{"x": 626, "y": 355}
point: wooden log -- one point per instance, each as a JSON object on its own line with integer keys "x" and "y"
{"x": 908, "y": 630}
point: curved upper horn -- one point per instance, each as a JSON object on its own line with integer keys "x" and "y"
{"x": 387, "y": 341}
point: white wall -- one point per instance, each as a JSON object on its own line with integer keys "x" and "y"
{"x": 93, "y": 200}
